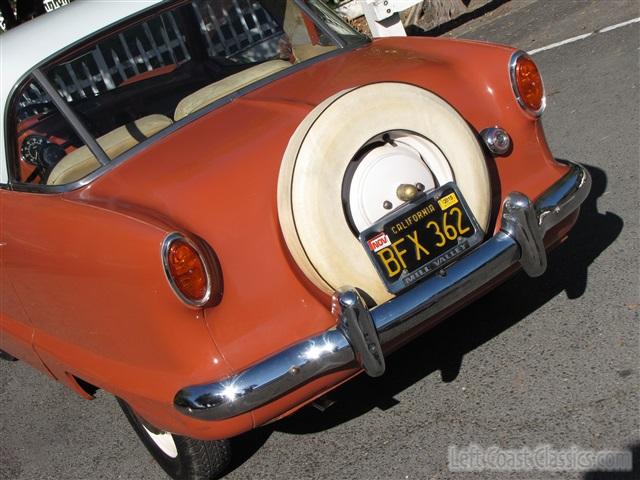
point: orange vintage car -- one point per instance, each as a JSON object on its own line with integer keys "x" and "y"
{"x": 220, "y": 210}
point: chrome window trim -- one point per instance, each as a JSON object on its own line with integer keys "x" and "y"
{"x": 513, "y": 60}
{"x": 56, "y": 189}
{"x": 164, "y": 251}
{"x": 320, "y": 24}
{"x": 8, "y": 150}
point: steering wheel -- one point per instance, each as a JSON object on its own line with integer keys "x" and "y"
{"x": 38, "y": 151}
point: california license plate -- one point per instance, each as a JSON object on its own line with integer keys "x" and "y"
{"x": 421, "y": 237}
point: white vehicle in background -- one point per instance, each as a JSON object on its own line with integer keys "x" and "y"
{"x": 49, "y": 6}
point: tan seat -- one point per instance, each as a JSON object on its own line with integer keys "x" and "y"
{"x": 209, "y": 94}
{"x": 82, "y": 162}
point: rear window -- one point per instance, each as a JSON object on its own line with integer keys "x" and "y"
{"x": 132, "y": 84}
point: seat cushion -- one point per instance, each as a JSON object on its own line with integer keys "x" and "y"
{"x": 209, "y": 94}
{"x": 82, "y": 162}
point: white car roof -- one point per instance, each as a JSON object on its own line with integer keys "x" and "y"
{"x": 26, "y": 46}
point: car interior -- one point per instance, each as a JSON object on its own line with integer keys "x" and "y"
{"x": 135, "y": 83}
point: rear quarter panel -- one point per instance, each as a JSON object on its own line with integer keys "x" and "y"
{"x": 92, "y": 285}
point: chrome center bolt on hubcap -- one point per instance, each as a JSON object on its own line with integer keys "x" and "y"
{"x": 407, "y": 192}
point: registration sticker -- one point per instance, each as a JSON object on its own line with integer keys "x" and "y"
{"x": 447, "y": 201}
{"x": 379, "y": 242}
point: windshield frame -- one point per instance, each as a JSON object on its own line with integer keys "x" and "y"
{"x": 309, "y": 7}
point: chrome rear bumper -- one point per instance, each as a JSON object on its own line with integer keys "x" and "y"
{"x": 361, "y": 333}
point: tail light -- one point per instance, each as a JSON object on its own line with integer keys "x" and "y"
{"x": 192, "y": 270}
{"x": 527, "y": 83}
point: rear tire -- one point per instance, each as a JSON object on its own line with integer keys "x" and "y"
{"x": 183, "y": 458}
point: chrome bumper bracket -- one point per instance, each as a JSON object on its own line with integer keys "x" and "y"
{"x": 354, "y": 320}
{"x": 520, "y": 222}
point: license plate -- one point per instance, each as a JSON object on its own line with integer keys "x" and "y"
{"x": 421, "y": 237}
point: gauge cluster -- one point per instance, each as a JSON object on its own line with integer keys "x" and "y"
{"x": 43, "y": 153}
{"x": 32, "y": 148}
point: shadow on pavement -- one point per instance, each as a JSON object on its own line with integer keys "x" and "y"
{"x": 628, "y": 475}
{"x": 443, "y": 348}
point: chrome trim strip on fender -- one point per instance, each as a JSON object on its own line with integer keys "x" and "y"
{"x": 353, "y": 343}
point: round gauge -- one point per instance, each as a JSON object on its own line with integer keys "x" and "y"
{"x": 31, "y": 150}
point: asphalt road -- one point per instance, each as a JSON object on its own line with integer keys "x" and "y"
{"x": 553, "y": 360}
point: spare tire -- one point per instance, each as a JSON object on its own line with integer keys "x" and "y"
{"x": 388, "y": 130}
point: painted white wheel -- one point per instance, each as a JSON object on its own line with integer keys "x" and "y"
{"x": 434, "y": 142}
{"x": 398, "y": 158}
{"x": 164, "y": 441}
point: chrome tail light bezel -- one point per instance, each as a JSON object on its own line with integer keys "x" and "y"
{"x": 209, "y": 260}
{"x": 513, "y": 63}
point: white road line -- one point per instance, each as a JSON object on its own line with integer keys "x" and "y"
{"x": 586, "y": 35}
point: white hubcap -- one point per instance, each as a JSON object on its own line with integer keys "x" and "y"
{"x": 164, "y": 441}
{"x": 405, "y": 159}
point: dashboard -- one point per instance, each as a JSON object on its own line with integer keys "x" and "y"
{"x": 41, "y": 145}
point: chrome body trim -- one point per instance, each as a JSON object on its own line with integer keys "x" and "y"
{"x": 309, "y": 11}
{"x": 497, "y": 140}
{"x": 520, "y": 222}
{"x": 355, "y": 322}
{"x": 514, "y": 85}
{"x": 353, "y": 343}
{"x": 268, "y": 379}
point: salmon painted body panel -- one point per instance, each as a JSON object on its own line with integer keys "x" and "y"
{"x": 85, "y": 265}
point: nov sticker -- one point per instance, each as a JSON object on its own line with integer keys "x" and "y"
{"x": 378, "y": 242}
{"x": 447, "y": 201}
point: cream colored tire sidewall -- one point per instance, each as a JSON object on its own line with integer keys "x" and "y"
{"x": 311, "y": 175}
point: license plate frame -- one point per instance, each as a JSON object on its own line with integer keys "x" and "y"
{"x": 381, "y": 240}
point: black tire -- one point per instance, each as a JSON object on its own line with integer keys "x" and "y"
{"x": 5, "y": 356}
{"x": 195, "y": 460}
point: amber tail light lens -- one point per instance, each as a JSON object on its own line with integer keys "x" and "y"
{"x": 527, "y": 83}
{"x": 192, "y": 270}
